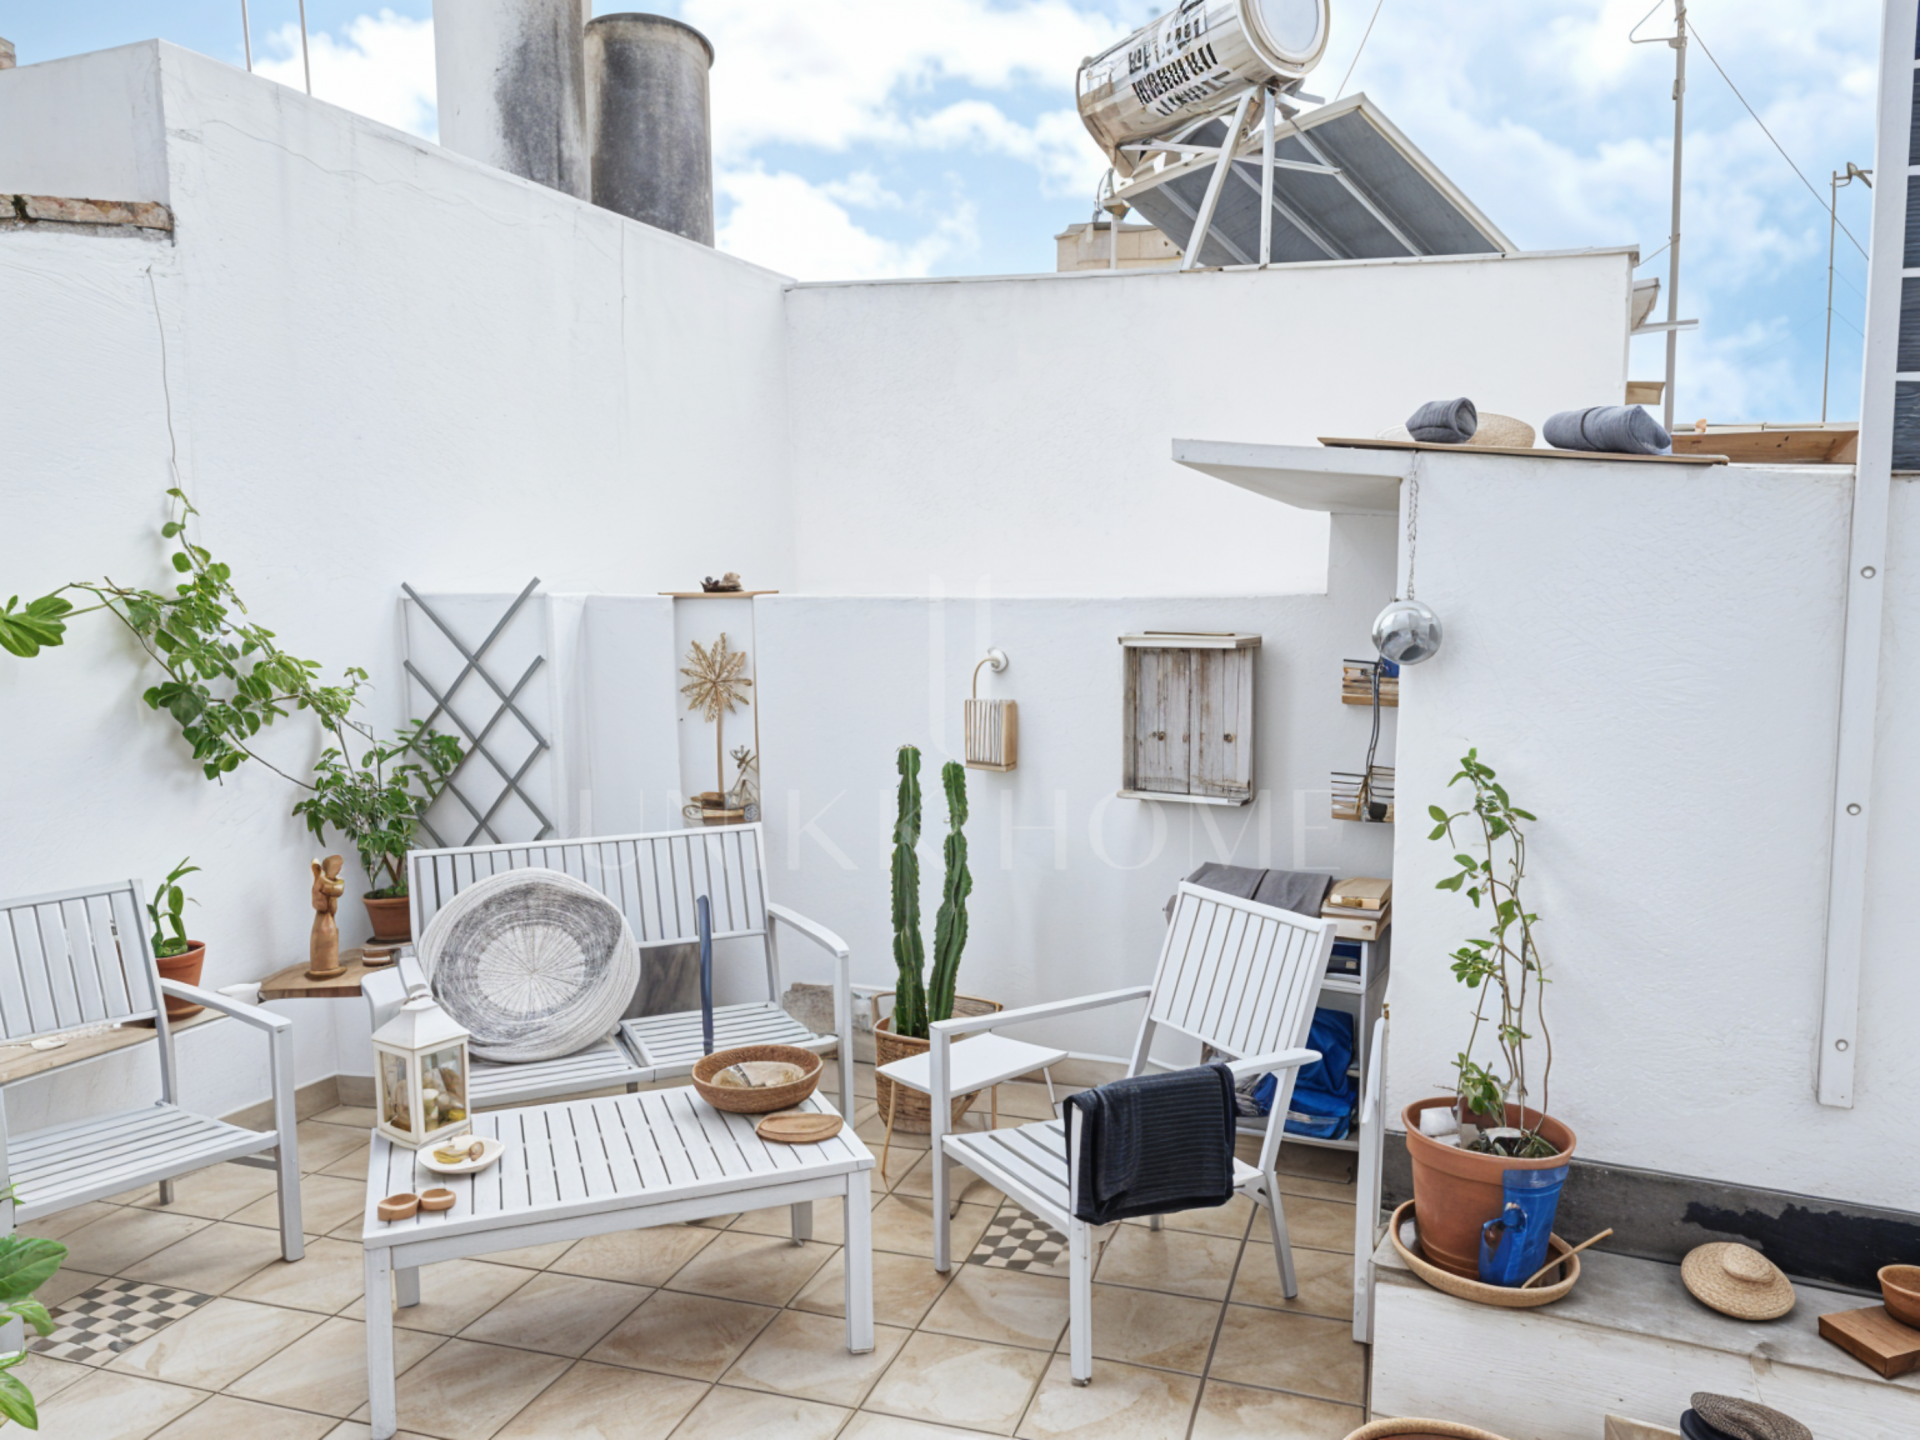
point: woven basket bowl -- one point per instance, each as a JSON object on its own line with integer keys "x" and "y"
{"x": 1421, "y": 1430}
{"x": 756, "y": 1102}
{"x": 912, "y": 1110}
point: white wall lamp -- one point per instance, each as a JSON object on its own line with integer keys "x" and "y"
{"x": 992, "y": 727}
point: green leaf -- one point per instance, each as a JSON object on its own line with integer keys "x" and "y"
{"x": 26, "y": 1263}
{"x": 181, "y": 563}
{"x": 1437, "y": 813}
{"x": 16, "y": 1403}
{"x": 35, "y": 1314}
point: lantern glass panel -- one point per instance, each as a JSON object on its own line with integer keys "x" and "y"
{"x": 443, "y": 1088}
{"x": 396, "y": 1106}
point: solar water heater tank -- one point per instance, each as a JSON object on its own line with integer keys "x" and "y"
{"x": 1190, "y": 62}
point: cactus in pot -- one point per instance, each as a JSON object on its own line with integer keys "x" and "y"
{"x": 950, "y": 925}
{"x": 909, "y": 952}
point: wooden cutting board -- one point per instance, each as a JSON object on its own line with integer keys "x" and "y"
{"x": 1874, "y": 1338}
{"x": 799, "y": 1129}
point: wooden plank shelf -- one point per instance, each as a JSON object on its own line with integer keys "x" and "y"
{"x": 292, "y": 983}
{"x": 715, "y": 594}
{"x": 19, "y": 1061}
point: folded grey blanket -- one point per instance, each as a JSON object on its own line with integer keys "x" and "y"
{"x": 1444, "y": 422}
{"x": 1152, "y": 1144}
{"x": 1610, "y": 429}
{"x": 1299, "y": 891}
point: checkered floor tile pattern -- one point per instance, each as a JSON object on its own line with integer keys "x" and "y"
{"x": 1016, "y": 1240}
{"x": 112, "y": 1317}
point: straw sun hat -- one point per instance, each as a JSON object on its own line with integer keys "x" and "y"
{"x": 1737, "y": 1280}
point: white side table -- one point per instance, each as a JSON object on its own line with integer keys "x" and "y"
{"x": 981, "y": 1062}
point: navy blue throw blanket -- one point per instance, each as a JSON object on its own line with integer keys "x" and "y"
{"x": 1153, "y": 1144}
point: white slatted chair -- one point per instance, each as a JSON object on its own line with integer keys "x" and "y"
{"x": 1237, "y": 976}
{"x": 654, "y": 879}
{"x": 82, "y": 958}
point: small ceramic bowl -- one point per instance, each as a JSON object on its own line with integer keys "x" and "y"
{"x": 399, "y": 1207}
{"x": 1900, "y": 1289}
{"x": 436, "y": 1199}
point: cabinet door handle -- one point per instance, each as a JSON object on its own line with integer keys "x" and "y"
{"x": 1228, "y": 739}
{"x": 1159, "y": 735}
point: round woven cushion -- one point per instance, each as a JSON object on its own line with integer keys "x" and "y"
{"x": 534, "y": 963}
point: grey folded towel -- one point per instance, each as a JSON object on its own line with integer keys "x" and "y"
{"x": 1299, "y": 891}
{"x": 1444, "y": 422}
{"x": 1610, "y": 429}
{"x": 1152, "y": 1144}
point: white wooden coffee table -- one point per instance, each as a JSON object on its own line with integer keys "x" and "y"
{"x": 587, "y": 1167}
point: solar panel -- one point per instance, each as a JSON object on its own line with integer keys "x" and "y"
{"x": 1387, "y": 199}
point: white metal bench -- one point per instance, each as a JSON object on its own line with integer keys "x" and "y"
{"x": 1236, "y": 976}
{"x": 81, "y": 959}
{"x": 655, "y": 880}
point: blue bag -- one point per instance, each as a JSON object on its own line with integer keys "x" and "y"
{"x": 1514, "y": 1243}
{"x": 1324, "y": 1094}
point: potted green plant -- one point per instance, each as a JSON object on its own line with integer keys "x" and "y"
{"x": 178, "y": 958}
{"x": 26, "y": 1263}
{"x": 376, "y": 804}
{"x": 1458, "y": 1184}
{"x": 919, "y": 1000}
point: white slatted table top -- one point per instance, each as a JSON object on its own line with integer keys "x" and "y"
{"x": 588, "y": 1157}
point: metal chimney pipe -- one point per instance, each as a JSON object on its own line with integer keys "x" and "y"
{"x": 648, "y": 122}
{"x": 513, "y": 86}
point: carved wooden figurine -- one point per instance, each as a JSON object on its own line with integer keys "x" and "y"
{"x": 323, "y": 952}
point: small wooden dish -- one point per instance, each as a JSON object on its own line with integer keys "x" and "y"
{"x": 1503, "y": 1296}
{"x": 373, "y": 957}
{"x": 399, "y": 1207}
{"x": 436, "y": 1199}
{"x": 1900, "y": 1290}
{"x": 756, "y": 1102}
{"x": 799, "y": 1129}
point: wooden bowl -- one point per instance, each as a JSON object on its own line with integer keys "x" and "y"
{"x": 436, "y": 1199}
{"x": 1900, "y": 1290}
{"x": 399, "y": 1207}
{"x": 756, "y": 1102}
{"x": 1506, "y": 1297}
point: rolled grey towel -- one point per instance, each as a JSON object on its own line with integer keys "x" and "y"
{"x": 1611, "y": 429}
{"x": 1444, "y": 422}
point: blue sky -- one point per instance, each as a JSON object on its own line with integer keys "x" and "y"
{"x": 905, "y": 137}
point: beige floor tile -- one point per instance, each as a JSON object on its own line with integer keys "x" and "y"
{"x": 829, "y": 1221}
{"x": 904, "y": 1286}
{"x": 1340, "y": 1191}
{"x": 762, "y": 1269}
{"x": 123, "y": 1238}
{"x": 327, "y": 1373}
{"x": 605, "y": 1402}
{"x": 327, "y": 1280}
{"x": 225, "y": 1418}
{"x": 1325, "y": 1278}
{"x": 1124, "y": 1402}
{"x": 212, "y": 1260}
{"x": 64, "y": 1285}
{"x": 1144, "y": 1327}
{"x": 1233, "y": 1412}
{"x": 1176, "y": 1261}
{"x": 635, "y": 1257}
{"x": 805, "y": 1356}
{"x": 356, "y": 1430}
{"x": 869, "y": 1426}
{"x": 1007, "y": 1307}
{"x": 944, "y": 1379}
{"x": 729, "y": 1414}
{"x": 216, "y": 1345}
{"x": 213, "y": 1193}
{"x": 531, "y": 1257}
{"x": 716, "y": 1222}
{"x": 352, "y": 1165}
{"x": 106, "y": 1406}
{"x": 326, "y": 1202}
{"x": 904, "y": 1225}
{"x": 1228, "y": 1221}
{"x": 873, "y": 1130}
{"x": 862, "y": 1079}
{"x": 1314, "y": 1161}
{"x": 320, "y": 1145}
{"x": 62, "y": 1223}
{"x": 453, "y": 1294}
{"x": 47, "y": 1377}
{"x": 560, "y": 1314}
{"x": 465, "y": 1391}
{"x": 963, "y": 1184}
{"x": 1315, "y": 1224}
{"x": 1300, "y": 1353}
{"x": 359, "y": 1117}
{"x": 696, "y": 1336}
{"x": 1025, "y": 1101}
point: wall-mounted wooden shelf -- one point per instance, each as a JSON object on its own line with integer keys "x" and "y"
{"x": 1187, "y": 729}
{"x": 715, "y": 594}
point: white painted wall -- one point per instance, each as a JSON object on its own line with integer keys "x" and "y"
{"x": 1010, "y": 436}
{"x": 89, "y": 126}
{"x": 1649, "y": 656}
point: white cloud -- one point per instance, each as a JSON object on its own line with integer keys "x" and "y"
{"x": 802, "y": 229}
{"x": 382, "y": 69}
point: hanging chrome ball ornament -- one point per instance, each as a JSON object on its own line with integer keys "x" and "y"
{"x": 1407, "y": 632}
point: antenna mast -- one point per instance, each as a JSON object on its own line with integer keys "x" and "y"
{"x": 1679, "y": 44}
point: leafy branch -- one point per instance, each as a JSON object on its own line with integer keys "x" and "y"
{"x": 1503, "y": 966}
{"x": 377, "y": 803}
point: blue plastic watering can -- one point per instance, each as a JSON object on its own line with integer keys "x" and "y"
{"x": 1513, "y": 1245}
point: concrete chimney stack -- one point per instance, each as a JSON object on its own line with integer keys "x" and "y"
{"x": 648, "y": 122}
{"x": 7, "y": 58}
{"x": 512, "y": 86}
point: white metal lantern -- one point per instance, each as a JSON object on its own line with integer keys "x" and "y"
{"x": 420, "y": 1073}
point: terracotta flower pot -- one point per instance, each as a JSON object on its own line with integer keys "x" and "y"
{"x": 1457, "y": 1191}
{"x": 390, "y": 918}
{"x": 183, "y": 969}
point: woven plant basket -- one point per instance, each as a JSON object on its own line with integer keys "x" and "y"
{"x": 756, "y": 1102}
{"x": 914, "y": 1112}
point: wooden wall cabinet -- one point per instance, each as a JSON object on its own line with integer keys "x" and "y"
{"x": 1188, "y": 725}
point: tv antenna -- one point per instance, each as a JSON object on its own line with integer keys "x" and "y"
{"x": 1673, "y": 324}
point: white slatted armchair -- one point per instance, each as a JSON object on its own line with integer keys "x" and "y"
{"x": 1236, "y": 976}
{"x": 82, "y": 958}
{"x": 655, "y": 880}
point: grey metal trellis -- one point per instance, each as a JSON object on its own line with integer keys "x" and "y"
{"x": 507, "y": 704}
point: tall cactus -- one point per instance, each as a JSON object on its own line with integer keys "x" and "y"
{"x": 909, "y": 952}
{"x": 950, "y": 925}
